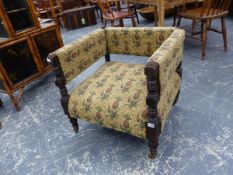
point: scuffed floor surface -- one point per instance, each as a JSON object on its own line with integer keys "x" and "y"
{"x": 197, "y": 139}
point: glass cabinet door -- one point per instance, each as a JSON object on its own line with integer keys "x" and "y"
{"x": 46, "y": 43}
{"x": 18, "y": 62}
{"x": 3, "y": 33}
{"x": 19, "y": 14}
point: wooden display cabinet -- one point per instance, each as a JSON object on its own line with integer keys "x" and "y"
{"x": 24, "y": 46}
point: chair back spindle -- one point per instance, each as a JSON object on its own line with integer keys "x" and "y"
{"x": 213, "y": 8}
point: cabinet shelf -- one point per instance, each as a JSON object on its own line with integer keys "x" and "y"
{"x": 16, "y": 10}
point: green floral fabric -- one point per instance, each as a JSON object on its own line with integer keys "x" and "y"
{"x": 168, "y": 56}
{"x": 77, "y": 56}
{"x": 142, "y": 41}
{"x": 115, "y": 97}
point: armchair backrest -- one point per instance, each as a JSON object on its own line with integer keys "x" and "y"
{"x": 77, "y": 56}
{"x": 141, "y": 41}
{"x": 212, "y": 8}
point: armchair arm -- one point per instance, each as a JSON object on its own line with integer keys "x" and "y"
{"x": 77, "y": 56}
{"x": 159, "y": 69}
{"x": 169, "y": 56}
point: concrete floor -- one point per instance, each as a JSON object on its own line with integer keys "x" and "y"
{"x": 197, "y": 138}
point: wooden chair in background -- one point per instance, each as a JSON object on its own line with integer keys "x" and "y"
{"x": 113, "y": 15}
{"x": 210, "y": 10}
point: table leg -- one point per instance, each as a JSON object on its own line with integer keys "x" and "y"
{"x": 161, "y": 12}
{"x": 155, "y": 16}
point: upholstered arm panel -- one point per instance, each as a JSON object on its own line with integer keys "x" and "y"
{"x": 168, "y": 56}
{"x": 77, "y": 56}
{"x": 142, "y": 41}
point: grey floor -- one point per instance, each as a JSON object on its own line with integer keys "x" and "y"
{"x": 197, "y": 139}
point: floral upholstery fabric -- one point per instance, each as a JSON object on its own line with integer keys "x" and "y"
{"x": 141, "y": 41}
{"x": 168, "y": 56}
{"x": 115, "y": 97}
{"x": 77, "y": 56}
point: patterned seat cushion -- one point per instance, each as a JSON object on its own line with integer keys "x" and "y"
{"x": 115, "y": 97}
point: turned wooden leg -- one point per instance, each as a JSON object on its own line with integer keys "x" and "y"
{"x": 136, "y": 14}
{"x": 104, "y": 23}
{"x": 174, "y": 16}
{"x": 224, "y": 33}
{"x": 121, "y": 23}
{"x": 178, "y": 22}
{"x": 177, "y": 98}
{"x": 133, "y": 22}
{"x": 1, "y": 103}
{"x": 179, "y": 72}
{"x": 155, "y": 16}
{"x": 74, "y": 123}
{"x": 204, "y": 38}
{"x": 153, "y": 129}
{"x": 193, "y": 27}
{"x": 153, "y": 125}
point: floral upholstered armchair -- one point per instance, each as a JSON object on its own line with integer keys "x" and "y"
{"x": 132, "y": 98}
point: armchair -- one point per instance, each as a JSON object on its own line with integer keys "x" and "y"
{"x": 132, "y": 98}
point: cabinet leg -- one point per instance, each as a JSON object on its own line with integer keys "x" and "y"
{"x": 15, "y": 102}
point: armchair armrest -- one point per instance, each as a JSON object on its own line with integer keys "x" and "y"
{"x": 161, "y": 70}
{"x": 77, "y": 56}
{"x": 168, "y": 56}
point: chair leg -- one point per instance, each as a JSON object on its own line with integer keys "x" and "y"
{"x": 175, "y": 16}
{"x": 153, "y": 132}
{"x": 224, "y": 33}
{"x": 74, "y": 123}
{"x": 177, "y": 98}
{"x": 136, "y": 14}
{"x": 121, "y": 22}
{"x": 104, "y": 23}
{"x": 1, "y": 103}
{"x": 133, "y": 22}
{"x": 112, "y": 23}
{"x": 193, "y": 27}
{"x": 203, "y": 37}
{"x": 178, "y": 22}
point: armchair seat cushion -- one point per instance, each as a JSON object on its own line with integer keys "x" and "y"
{"x": 115, "y": 97}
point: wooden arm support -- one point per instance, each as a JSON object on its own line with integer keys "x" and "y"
{"x": 61, "y": 84}
{"x": 153, "y": 125}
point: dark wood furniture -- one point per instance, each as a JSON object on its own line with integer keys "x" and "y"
{"x": 111, "y": 15}
{"x": 69, "y": 4}
{"x": 79, "y": 17}
{"x": 160, "y": 6}
{"x": 48, "y": 8}
{"x": 24, "y": 46}
{"x": 210, "y": 10}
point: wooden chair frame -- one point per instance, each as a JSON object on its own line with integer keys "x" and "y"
{"x": 211, "y": 9}
{"x": 109, "y": 14}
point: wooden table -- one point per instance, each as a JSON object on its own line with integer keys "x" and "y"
{"x": 160, "y": 6}
{"x": 79, "y": 17}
